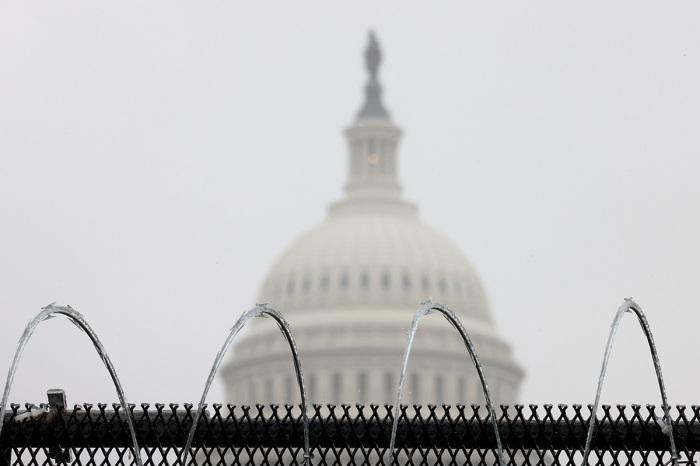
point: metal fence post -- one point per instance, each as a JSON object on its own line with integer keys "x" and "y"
{"x": 57, "y": 403}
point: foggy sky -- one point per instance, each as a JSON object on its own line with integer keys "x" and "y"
{"x": 156, "y": 158}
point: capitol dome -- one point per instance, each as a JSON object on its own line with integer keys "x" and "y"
{"x": 349, "y": 289}
{"x": 386, "y": 258}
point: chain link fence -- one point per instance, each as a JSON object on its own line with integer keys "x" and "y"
{"x": 346, "y": 435}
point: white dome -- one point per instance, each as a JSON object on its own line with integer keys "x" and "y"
{"x": 350, "y": 287}
{"x": 374, "y": 259}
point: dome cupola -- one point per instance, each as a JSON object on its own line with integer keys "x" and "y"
{"x": 372, "y": 146}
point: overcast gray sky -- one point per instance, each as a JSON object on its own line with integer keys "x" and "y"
{"x": 156, "y": 157}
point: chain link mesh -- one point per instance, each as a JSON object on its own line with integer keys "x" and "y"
{"x": 348, "y": 435}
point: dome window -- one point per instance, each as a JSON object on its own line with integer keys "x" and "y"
{"x": 415, "y": 389}
{"x": 425, "y": 282}
{"x": 406, "y": 282}
{"x": 386, "y": 281}
{"x": 362, "y": 386}
{"x": 324, "y": 283}
{"x": 389, "y": 387}
{"x": 461, "y": 390}
{"x": 288, "y": 387}
{"x": 290, "y": 287}
{"x": 364, "y": 281}
{"x": 344, "y": 281}
{"x": 252, "y": 390}
{"x": 306, "y": 285}
{"x": 443, "y": 286}
{"x": 337, "y": 388}
{"x": 439, "y": 390}
{"x": 268, "y": 391}
{"x": 312, "y": 387}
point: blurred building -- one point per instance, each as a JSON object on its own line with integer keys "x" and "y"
{"x": 350, "y": 286}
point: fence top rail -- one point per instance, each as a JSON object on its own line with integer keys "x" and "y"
{"x": 547, "y": 427}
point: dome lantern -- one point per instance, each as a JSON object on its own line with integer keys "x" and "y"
{"x": 372, "y": 147}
